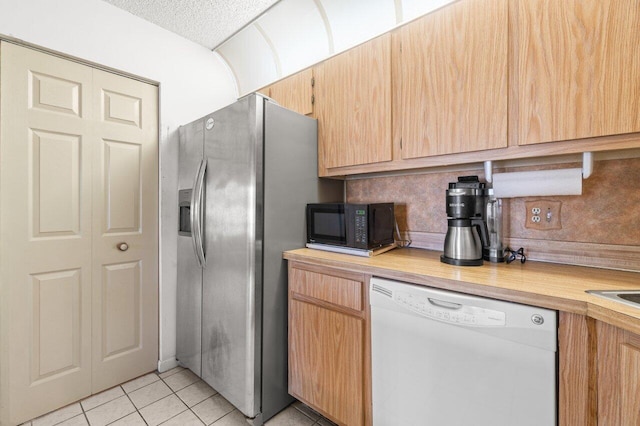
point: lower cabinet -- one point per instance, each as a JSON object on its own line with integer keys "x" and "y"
{"x": 330, "y": 355}
{"x": 618, "y": 366}
{"x": 329, "y": 367}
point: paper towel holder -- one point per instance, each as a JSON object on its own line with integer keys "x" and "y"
{"x": 587, "y": 167}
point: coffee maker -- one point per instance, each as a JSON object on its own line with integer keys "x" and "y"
{"x": 467, "y": 236}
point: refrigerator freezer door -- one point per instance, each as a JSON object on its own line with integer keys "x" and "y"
{"x": 189, "y": 291}
{"x": 233, "y": 242}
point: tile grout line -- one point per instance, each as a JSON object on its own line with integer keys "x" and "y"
{"x": 125, "y": 394}
{"x": 84, "y": 413}
{"x": 134, "y": 405}
{"x": 179, "y": 399}
{"x": 172, "y": 393}
{"x": 62, "y": 421}
{"x": 228, "y": 414}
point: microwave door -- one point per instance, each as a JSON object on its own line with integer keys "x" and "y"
{"x": 327, "y": 224}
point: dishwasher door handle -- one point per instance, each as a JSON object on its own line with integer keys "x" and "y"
{"x": 444, "y": 304}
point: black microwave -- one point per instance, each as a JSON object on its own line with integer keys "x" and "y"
{"x": 361, "y": 226}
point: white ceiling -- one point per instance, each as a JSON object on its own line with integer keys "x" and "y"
{"x": 206, "y": 22}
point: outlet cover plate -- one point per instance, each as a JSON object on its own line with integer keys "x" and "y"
{"x": 543, "y": 215}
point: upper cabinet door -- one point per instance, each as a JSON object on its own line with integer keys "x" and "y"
{"x": 294, "y": 92}
{"x": 578, "y": 69}
{"x": 453, "y": 80}
{"x": 353, "y": 106}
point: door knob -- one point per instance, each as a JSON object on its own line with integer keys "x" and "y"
{"x": 123, "y": 246}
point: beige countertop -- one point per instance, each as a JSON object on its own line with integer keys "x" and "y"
{"x": 548, "y": 285}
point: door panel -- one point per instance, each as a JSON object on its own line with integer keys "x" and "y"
{"x": 56, "y": 324}
{"x": 121, "y": 108}
{"x": 55, "y": 183}
{"x": 125, "y": 181}
{"x": 45, "y": 172}
{"x": 121, "y": 309}
{"x": 52, "y": 93}
{"x": 122, "y": 186}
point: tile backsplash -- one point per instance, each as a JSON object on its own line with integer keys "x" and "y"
{"x": 607, "y": 212}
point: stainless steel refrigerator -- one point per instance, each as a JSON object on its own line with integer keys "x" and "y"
{"x": 246, "y": 173}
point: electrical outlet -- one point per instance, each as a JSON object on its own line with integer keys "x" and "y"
{"x": 543, "y": 215}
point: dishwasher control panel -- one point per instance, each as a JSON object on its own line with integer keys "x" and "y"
{"x": 454, "y": 313}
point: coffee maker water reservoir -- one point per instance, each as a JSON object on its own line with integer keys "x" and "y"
{"x": 494, "y": 252}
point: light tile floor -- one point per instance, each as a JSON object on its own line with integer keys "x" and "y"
{"x": 174, "y": 398}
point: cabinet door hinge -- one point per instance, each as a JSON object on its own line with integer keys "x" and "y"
{"x": 400, "y": 143}
{"x": 313, "y": 82}
{"x": 313, "y": 99}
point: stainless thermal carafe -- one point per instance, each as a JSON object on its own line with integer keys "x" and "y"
{"x": 462, "y": 242}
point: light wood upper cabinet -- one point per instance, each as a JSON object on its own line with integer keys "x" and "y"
{"x": 329, "y": 359}
{"x": 478, "y": 80}
{"x": 577, "y": 69}
{"x": 294, "y": 92}
{"x": 353, "y": 106}
{"x": 453, "y": 80}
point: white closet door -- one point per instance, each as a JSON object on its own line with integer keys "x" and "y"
{"x": 45, "y": 238}
{"x": 125, "y": 210}
{"x": 78, "y": 175}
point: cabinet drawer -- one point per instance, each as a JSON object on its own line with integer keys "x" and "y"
{"x": 328, "y": 288}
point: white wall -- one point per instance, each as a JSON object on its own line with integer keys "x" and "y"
{"x": 193, "y": 82}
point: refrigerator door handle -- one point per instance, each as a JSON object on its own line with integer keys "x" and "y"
{"x": 196, "y": 214}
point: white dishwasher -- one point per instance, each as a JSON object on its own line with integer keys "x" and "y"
{"x": 443, "y": 358}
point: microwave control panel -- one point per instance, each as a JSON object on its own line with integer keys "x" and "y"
{"x": 361, "y": 226}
